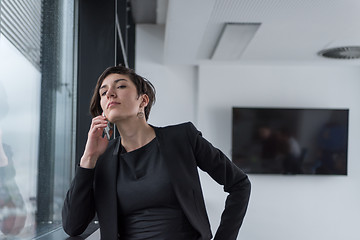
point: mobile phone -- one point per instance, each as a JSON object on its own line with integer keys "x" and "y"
{"x": 107, "y": 129}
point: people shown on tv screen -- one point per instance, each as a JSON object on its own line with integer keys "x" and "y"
{"x": 280, "y": 151}
{"x": 332, "y": 144}
{"x": 291, "y": 141}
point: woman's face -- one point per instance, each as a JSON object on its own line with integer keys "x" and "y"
{"x": 119, "y": 99}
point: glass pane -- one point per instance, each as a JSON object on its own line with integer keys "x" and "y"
{"x": 37, "y": 119}
{"x": 19, "y": 131}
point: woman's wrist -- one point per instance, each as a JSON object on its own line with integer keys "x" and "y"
{"x": 88, "y": 162}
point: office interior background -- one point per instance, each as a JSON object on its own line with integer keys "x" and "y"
{"x": 204, "y": 57}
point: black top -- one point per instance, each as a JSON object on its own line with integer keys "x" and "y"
{"x": 147, "y": 205}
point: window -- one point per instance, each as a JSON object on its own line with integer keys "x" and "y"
{"x": 37, "y": 96}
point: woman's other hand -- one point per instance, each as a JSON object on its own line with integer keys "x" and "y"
{"x": 3, "y": 158}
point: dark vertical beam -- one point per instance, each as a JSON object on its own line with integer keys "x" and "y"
{"x": 96, "y": 52}
{"x": 49, "y": 82}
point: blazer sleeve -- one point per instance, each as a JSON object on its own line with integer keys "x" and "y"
{"x": 79, "y": 208}
{"x": 226, "y": 173}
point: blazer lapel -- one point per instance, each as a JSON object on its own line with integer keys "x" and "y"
{"x": 180, "y": 178}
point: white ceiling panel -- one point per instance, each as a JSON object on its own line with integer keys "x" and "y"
{"x": 291, "y": 30}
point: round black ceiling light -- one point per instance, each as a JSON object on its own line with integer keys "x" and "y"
{"x": 351, "y": 52}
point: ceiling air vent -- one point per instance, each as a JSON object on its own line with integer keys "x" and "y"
{"x": 351, "y": 52}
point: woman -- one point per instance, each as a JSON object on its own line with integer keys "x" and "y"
{"x": 145, "y": 184}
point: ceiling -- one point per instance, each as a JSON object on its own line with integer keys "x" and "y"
{"x": 288, "y": 30}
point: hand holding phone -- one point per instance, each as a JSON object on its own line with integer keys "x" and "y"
{"x": 107, "y": 129}
{"x": 96, "y": 143}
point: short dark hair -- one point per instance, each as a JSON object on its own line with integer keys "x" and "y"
{"x": 143, "y": 86}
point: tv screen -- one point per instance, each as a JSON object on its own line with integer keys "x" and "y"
{"x": 290, "y": 141}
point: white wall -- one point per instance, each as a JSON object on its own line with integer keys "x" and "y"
{"x": 286, "y": 207}
{"x": 175, "y": 85}
{"x": 281, "y": 207}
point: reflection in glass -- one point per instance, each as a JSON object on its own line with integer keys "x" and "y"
{"x": 12, "y": 208}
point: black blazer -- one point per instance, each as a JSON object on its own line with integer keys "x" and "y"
{"x": 184, "y": 149}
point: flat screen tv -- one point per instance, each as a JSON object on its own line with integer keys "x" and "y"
{"x": 290, "y": 141}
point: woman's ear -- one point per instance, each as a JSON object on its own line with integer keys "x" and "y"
{"x": 144, "y": 100}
